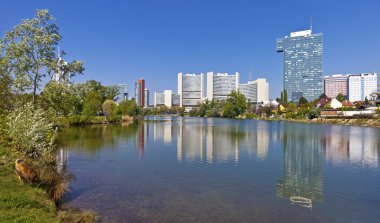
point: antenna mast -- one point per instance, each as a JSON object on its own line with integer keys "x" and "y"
{"x": 311, "y": 24}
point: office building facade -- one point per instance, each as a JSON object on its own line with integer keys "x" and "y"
{"x": 255, "y": 91}
{"x": 336, "y": 84}
{"x": 220, "y": 85}
{"x": 140, "y": 92}
{"x": 167, "y": 98}
{"x": 361, "y": 86}
{"x": 303, "y": 66}
{"x": 146, "y": 99}
{"x": 190, "y": 89}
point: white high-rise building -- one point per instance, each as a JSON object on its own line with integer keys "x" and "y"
{"x": 190, "y": 89}
{"x": 220, "y": 85}
{"x": 167, "y": 98}
{"x": 361, "y": 86}
{"x": 256, "y": 91}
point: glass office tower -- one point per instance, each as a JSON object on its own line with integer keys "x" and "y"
{"x": 303, "y": 68}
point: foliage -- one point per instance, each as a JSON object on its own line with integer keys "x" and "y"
{"x": 92, "y": 103}
{"x": 340, "y": 97}
{"x": 60, "y": 98}
{"x": 128, "y": 107}
{"x": 30, "y": 49}
{"x": 366, "y": 102}
{"x": 235, "y": 105}
{"x": 109, "y": 107}
{"x": 302, "y": 101}
{"x": 31, "y": 130}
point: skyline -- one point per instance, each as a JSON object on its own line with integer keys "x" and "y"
{"x": 122, "y": 42}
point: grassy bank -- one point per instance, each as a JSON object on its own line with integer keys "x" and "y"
{"x": 19, "y": 201}
{"x": 22, "y": 202}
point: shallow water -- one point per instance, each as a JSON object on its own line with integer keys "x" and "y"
{"x": 221, "y": 170}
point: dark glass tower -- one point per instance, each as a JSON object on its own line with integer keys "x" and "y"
{"x": 303, "y": 67}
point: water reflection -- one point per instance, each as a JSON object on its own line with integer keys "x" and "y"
{"x": 303, "y": 165}
{"x": 220, "y": 170}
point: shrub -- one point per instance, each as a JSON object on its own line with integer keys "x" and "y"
{"x": 31, "y": 130}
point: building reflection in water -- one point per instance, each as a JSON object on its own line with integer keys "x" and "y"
{"x": 302, "y": 181}
{"x": 141, "y": 138}
{"x": 355, "y": 145}
{"x": 213, "y": 143}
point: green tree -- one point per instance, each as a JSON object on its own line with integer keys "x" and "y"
{"x": 322, "y": 96}
{"x": 340, "y": 97}
{"x": 109, "y": 108}
{"x": 60, "y": 98}
{"x": 5, "y": 81}
{"x": 128, "y": 107}
{"x": 92, "y": 104}
{"x": 285, "y": 96}
{"x": 302, "y": 101}
{"x": 366, "y": 102}
{"x": 30, "y": 49}
{"x": 235, "y": 105}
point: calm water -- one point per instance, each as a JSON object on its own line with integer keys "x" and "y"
{"x": 220, "y": 170}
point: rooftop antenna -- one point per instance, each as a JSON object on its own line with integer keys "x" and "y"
{"x": 311, "y": 24}
{"x": 250, "y": 75}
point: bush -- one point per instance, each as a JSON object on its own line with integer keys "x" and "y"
{"x": 31, "y": 130}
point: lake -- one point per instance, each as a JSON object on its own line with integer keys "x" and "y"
{"x": 173, "y": 169}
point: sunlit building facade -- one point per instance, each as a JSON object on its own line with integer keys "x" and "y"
{"x": 220, "y": 85}
{"x": 335, "y": 84}
{"x": 361, "y": 86}
{"x": 255, "y": 91}
{"x": 190, "y": 89}
{"x": 303, "y": 66}
{"x": 140, "y": 92}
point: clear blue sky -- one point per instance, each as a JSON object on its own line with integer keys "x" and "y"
{"x": 121, "y": 41}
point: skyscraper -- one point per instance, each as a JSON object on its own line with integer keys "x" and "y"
{"x": 303, "y": 66}
{"x": 146, "y": 100}
{"x": 220, "y": 85}
{"x": 140, "y": 92}
{"x": 190, "y": 89}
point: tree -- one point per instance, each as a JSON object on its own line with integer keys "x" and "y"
{"x": 92, "y": 104}
{"x": 5, "y": 81}
{"x": 366, "y": 102}
{"x": 285, "y": 96}
{"x": 30, "y": 52}
{"x": 236, "y": 104}
{"x": 60, "y": 98}
{"x": 340, "y": 97}
{"x": 128, "y": 107}
{"x": 30, "y": 49}
{"x": 302, "y": 101}
{"x": 109, "y": 107}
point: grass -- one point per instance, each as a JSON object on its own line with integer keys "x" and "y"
{"x": 22, "y": 202}
{"x": 19, "y": 201}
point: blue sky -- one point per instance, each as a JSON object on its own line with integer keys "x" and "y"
{"x": 121, "y": 41}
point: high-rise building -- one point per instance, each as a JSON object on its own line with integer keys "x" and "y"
{"x": 140, "y": 92}
{"x": 167, "y": 98}
{"x": 303, "y": 66}
{"x": 190, "y": 89}
{"x": 336, "y": 84}
{"x": 361, "y": 86}
{"x": 122, "y": 92}
{"x": 220, "y": 85}
{"x": 255, "y": 91}
{"x": 146, "y": 100}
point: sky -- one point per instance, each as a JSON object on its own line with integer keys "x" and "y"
{"x": 122, "y": 41}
